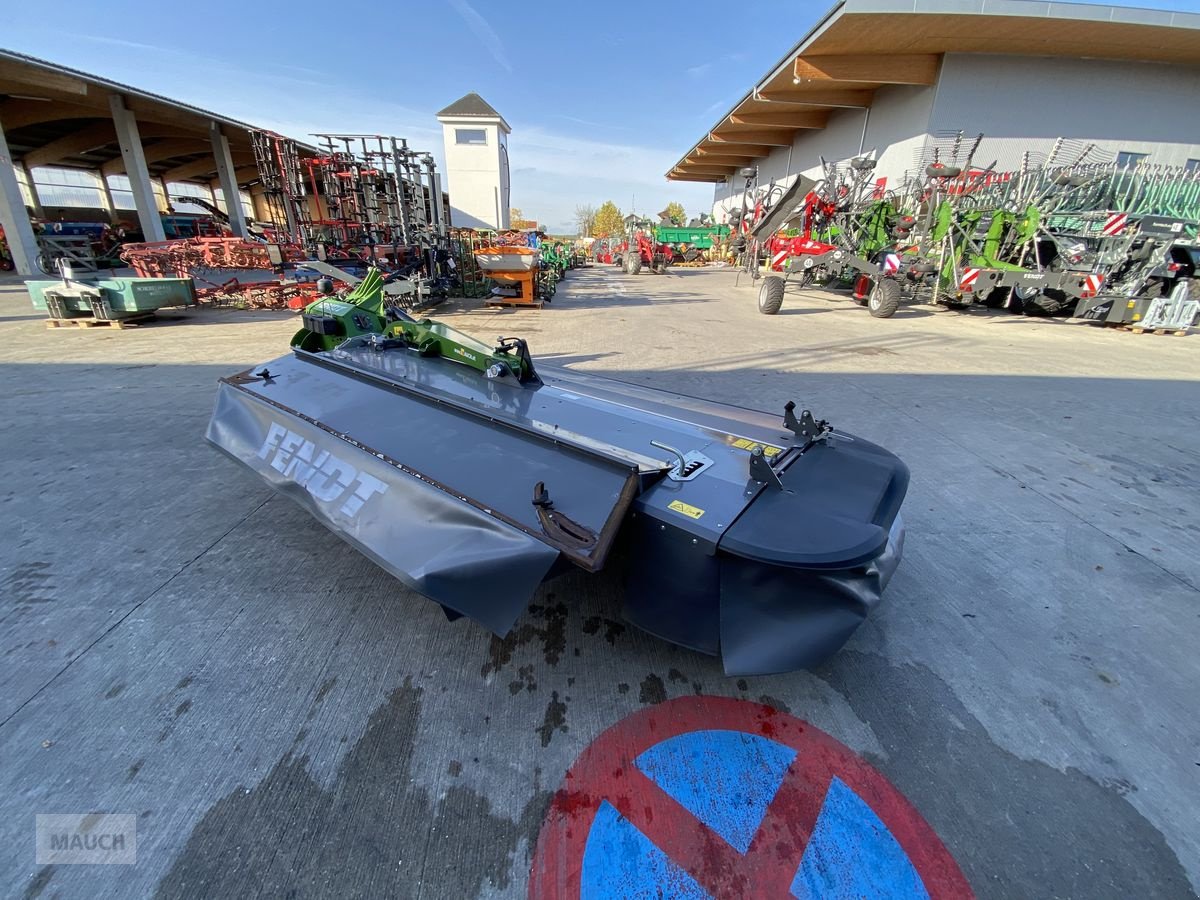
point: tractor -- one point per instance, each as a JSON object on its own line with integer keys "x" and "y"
{"x": 641, "y": 250}
{"x": 645, "y": 252}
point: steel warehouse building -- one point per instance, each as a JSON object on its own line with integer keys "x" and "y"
{"x": 895, "y": 76}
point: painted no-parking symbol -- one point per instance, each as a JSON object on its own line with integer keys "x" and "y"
{"x": 712, "y": 797}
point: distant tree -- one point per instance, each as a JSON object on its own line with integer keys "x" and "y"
{"x": 585, "y": 220}
{"x": 609, "y": 220}
{"x": 675, "y": 213}
{"x": 516, "y": 219}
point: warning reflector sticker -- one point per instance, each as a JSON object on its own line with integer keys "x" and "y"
{"x": 692, "y": 512}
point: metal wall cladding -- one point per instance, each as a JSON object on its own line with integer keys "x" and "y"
{"x": 436, "y": 544}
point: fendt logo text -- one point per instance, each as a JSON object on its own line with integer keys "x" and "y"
{"x": 319, "y": 472}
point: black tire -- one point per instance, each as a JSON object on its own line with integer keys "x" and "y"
{"x": 770, "y": 295}
{"x": 999, "y": 298}
{"x": 1049, "y": 303}
{"x": 884, "y": 299}
{"x": 633, "y": 263}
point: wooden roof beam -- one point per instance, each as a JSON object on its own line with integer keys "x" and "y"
{"x": 199, "y": 168}
{"x": 207, "y": 166}
{"x": 775, "y": 138}
{"x": 753, "y": 150}
{"x": 36, "y": 78}
{"x": 918, "y": 68}
{"x": 850, "y": 99}
{"x": 16, "y": 113}
{"x": 784, "y": 118}
{"x": 91, "y": 137}
{"x": 719, "y": 159}
{"x": 723, "y": 171}
{"x": 161, "y": 151}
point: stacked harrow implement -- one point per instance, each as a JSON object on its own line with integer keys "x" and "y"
{"x": 1065, "y": 235}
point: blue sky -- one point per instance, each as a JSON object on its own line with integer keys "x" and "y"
{"x": 602, "y": 97}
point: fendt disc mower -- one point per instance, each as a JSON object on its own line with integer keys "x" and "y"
{"x": 473, "y": 475}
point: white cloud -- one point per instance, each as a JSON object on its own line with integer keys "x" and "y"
{"x": 113, "y": 42}
{"x": 483, "y": 31}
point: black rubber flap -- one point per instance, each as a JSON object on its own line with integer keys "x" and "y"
{"x": 777, "y": 619}
{"x": 440, "y": 545}
{"x": 834, "y": 511}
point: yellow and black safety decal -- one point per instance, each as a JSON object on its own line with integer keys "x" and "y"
{"x": 749, "y": 445}
{"x": 692, "y": 512}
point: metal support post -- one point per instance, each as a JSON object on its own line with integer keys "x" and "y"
{"x": 18, "y": 232}
{"x": 136, "y": 170}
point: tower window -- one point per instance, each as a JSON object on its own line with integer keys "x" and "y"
{"x": 470, "y": 136}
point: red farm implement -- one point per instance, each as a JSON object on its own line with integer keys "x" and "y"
{"x": 642, "y": 251}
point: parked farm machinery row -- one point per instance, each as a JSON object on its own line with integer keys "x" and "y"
{"x": 1067, "y": 236}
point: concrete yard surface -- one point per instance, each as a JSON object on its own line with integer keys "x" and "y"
{"x": 285, "y": 719}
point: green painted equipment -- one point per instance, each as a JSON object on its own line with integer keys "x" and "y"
{"x": 702, "y": 237}
{"x": 365, "y": 312}
{"x": 109, "y": 299}
{"x": 690, "y": 244}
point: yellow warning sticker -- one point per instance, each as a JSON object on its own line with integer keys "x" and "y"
{"x": 679, "y": 506}
{"x": 749, "y": 445}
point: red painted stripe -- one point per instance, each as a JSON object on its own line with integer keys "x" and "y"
{"x": 690, "y": 844}
{"x": 785, "y": 831}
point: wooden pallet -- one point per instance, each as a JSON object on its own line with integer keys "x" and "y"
{"x": 1137, "y": 330}
{"x": 90, "y": 322}
{"x": 515, "y": 303}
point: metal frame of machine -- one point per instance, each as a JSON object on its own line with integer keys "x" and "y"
{"x": 472, "y": 476}
{"x": 1059, "y": 235}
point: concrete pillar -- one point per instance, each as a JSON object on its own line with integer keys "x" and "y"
{"x": 106, "y": 199}
{"x": 229, "y": 187}
{"x": 136, "y": 170}
{"x": 36, "y": 201}
{"x": 18, "y": 233}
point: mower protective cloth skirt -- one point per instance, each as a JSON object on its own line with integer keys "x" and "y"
{"x": 777, "y": 619}
{"x": 435, "y": 543}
